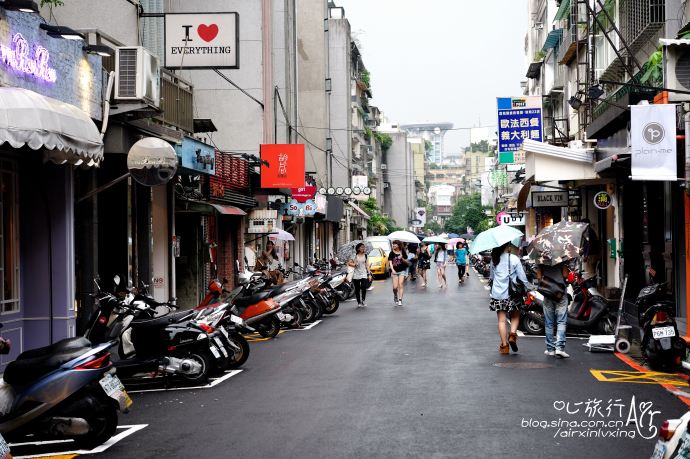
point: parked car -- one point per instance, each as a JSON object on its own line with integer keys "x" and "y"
{"x": 379, "y": 262}
{"x": 380, "y": 242}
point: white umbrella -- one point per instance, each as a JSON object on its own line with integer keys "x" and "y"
{"x": 404, "y": 236}
{"x": 435, "y": 240}
{"x": 280, "y": 235}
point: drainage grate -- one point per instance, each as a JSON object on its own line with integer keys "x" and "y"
{"x": 523, "y": 365}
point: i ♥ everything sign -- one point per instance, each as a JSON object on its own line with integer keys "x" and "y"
{"x": 202, "y": 40}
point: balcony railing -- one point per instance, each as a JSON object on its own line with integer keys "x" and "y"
{"x": 639, "y": 21}
{"x": 177, "y": 101}
{"x": 573, "y": 37}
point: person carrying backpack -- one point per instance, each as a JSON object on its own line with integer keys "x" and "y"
{"x": 552, "y": 286}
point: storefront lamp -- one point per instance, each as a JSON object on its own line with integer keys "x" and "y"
{"x": 101, "y": 50}
{"x": 25, "y": 6}
{"x": 61, "y": 32}
{"x": 575, "y": 103}
{"x": 595, "y": 92}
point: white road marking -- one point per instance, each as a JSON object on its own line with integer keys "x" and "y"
{"x": 312, "y": 325}
{"x": 567, "y": 336}
{"x": 487, "y": 287}
{"x": 99, "y": 449}
{"x": 214, "y": 382}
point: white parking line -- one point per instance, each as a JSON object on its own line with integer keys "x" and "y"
{"x": 214, "y": 382}
{"x": 308, "y": 327}
{"x": 99, "y": 449}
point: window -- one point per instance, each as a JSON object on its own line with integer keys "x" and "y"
{"x": 9, "y": 238}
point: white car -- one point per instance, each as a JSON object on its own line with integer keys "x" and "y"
{"x": 674, "y": 439}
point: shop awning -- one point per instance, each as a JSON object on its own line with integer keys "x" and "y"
{"x": 359, "y": 210}
{"x": 563, "y": 10}
{"x": 28, "y": 118}
{"x": 546, "y": 163}
{"x": 552, "y": 39}
{"x": 228, "y": 210}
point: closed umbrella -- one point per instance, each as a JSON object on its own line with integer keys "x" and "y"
{"x": 280, "y": 235}
{"x": 495, "y": 237}
{"x": 558, "y": 243}
{"x": 404, "y": 236}
{"x": 347, "y": 251}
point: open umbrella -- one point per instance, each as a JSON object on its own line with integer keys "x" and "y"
{"x": 435, "y": 240}
{"x": 347, "y": 251}
{"x": 495, "y": 237}
{"x": 404, "y": 236}
{"x": 453, "y": 242}
{"x": 557, "y": 243}
{"x": 467, "y": 236}
{"x": 453, "y": 236}
{"x": 280, "y": 235}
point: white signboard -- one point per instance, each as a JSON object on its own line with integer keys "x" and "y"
{"x": 653, "y": 139}
{"x": 549, "y": 199}
{"x": 419, "y": 217}
{"x": 202, "y": 40}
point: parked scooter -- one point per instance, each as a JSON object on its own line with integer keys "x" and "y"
{"x": 66, "y": 390}
{"x": 661, "y": 343}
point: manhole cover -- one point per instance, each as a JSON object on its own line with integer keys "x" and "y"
{"x": 522, "y": 365}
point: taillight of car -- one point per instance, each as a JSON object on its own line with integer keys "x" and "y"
{"x": 95, "y": 364}
{"x": 660, "y": 316}
{"x": 206, "y": 327}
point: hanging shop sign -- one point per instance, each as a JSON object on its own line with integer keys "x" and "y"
{"x": 602, "y": 200}
{"x": 653, "y": 140}
{"x": 419, "y": 217}
{"x": 304, "y": 193}
{"x": 202, "y": 40}
{"x": 197, "y": 156}
{"x": 549, "y": 199}
{"x": 301, "y": 209}
{"x": 262, "y": 221}
{"x": 510, "y": 218}
{"x": 285, "y": 167}
{"x": 21, "y": 59}
{"x": 519, "y": 118}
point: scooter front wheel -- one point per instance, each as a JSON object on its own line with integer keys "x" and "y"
{"x": 531, "y": 325}
{"x": 296, "y": 321}
{"x": 269, "y": 328}
{"x": 331, "y": 308}
{"x": 240, "y": 356}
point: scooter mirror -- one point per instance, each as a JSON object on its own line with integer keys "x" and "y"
{"x": 116, "y": 279}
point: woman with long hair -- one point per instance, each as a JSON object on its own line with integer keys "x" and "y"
{"x": 271, "y": 256}
{"x": 397, "y": 261}
{"x": 362, "y": 274}
{"x": 440, "y": 258}
{"x": 504, "y": 267}
{"x": 461, "y": 261}
{"x": 424, "y": 263}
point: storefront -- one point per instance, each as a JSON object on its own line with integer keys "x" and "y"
{"x": 50, "y": 93}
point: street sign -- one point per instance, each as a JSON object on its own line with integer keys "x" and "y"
{"x": 602, "y": 200}
{"x": 519, "y": 118}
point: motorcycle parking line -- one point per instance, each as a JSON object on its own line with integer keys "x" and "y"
{"x": 52, "y": 449}
{"x": 637, "y": 377}
{"x": 214, "y": 382}
{"x": 255, "y": 337}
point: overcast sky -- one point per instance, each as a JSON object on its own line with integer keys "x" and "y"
{"x": 441, "y": 60}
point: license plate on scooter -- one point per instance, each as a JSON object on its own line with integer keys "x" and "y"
{"x": 221, "y": 346}
{"x": 114, "y": 389}
{"x": 214, "y": 351}
{"x": 663, "y": 332}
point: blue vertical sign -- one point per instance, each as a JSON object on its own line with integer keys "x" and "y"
{"x": 519, "y": 118}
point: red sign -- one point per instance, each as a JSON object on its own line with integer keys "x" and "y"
{"x": 285, "y": 166}
{"x": 304, "y": 193}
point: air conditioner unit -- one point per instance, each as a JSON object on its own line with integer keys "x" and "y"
{"x": 137, "y": 75}
{"x": 677, "y": 68}
{"x": 383, "y": 167}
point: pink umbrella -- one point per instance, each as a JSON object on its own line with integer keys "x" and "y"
{"x": 453, "y": 242}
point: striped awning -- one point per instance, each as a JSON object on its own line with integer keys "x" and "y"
{"x": 552, "y": 39}
{"x": 563, "y": 10}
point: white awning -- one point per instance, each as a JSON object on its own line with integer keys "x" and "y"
{"x": 359, "y": 210}
{"x": 28, "y": 118}
{"x": 546, "y": 163}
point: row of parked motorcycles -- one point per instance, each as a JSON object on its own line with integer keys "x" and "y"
{"x": 589, "y": 312}
{"x": 74, "y": 389}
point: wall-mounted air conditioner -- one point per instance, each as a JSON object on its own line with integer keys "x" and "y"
{"x": 383, "y": 167}
{"x": 677, "y": 68}
{"x": 137, "y": 75}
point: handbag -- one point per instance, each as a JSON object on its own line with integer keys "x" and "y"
{"x": 551, "y": 289}
{"x": 516, "y": 289}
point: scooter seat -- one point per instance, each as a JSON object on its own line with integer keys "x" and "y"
{"x": 67, "y": 344}
{"x": 160, "y": 322}
{"x": 21, "y": 372}
{"x": 251, "y": 299}
{"x": 281, "y": 289}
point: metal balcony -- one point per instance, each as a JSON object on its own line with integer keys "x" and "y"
{"x": 572, "y": 38}
{"x": 639, "y": 21}
{"x": 177, "y": 102}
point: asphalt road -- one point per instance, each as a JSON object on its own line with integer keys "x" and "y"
{"x": 422, "y": 380}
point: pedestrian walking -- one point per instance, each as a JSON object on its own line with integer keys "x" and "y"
{"x": 424, "y": 263}
{"x": 398, "y": 264}
{"x": 461, "y": 261}
{"x": 505, "y": 267}
{"x": 362, "y": 274}
{"x": 412, "y": 259}
{"x": 440, "y": 258}
{"x": 552, "y": 285}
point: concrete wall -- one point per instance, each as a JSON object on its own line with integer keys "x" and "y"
{"x": 401, "y": 177}
{"x": 340, "y": 102}
{"x": 312, "y": 62}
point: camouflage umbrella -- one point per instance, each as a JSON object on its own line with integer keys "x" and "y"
{"x": 558, "y": 243}
{"x": 347, "y": 251}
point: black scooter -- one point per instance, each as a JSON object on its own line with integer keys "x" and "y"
{"x": 661, "y": 343}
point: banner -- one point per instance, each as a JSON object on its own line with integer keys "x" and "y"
{"x": 653, "y": 140}
{"x": 419, "y": 219}
{"x": 285, "y": 166}
{"x": 519, "y": 118}
{"x": 202, "y": 40}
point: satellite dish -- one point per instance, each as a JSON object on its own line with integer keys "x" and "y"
{"x": 152, "y": 161}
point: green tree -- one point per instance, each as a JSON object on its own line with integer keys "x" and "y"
{"x": 379, "y": 224}
{"x": 384, "y": 139}
{"x": 485, "y": 225}
{"x": 467, "y": 212}
{"x": 482, "y": 146}
{"x": 434, "y": 226}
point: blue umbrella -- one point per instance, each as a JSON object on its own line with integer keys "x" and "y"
{"x": 453, "y": 236}
{"x": 495, "y": 237}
